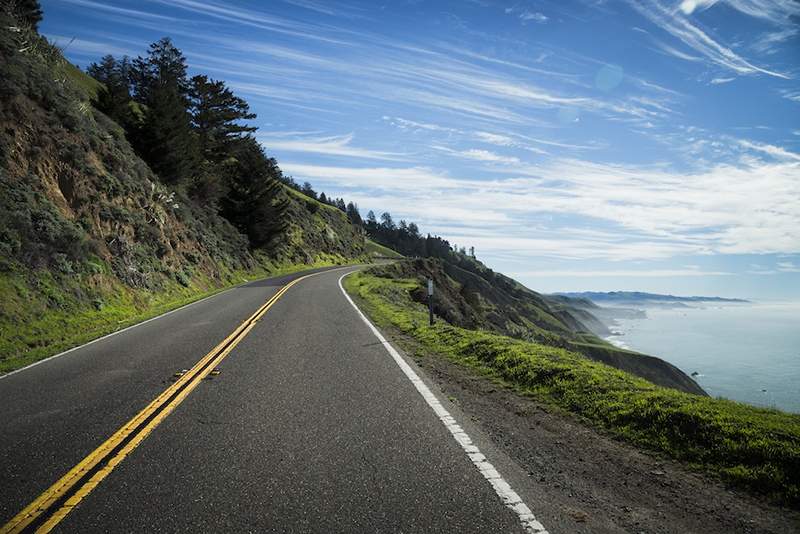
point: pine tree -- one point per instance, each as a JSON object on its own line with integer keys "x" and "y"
{"x": 165, "y": 139}
{"x": 308, "y": 190}
{"x": 256, "y": 203}
{"x": 353, "y": 215}
{"x": 216, "y": 115}
{"x": 386, "y": 221}
{"x": 28, "y": 12}
{"x": 164, "y": 65}
{"x": 114, "y": 99}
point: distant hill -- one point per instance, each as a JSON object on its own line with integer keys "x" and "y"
{"x": 633, "y": 297}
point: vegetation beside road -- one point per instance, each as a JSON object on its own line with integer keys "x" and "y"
{"x": 750, "y": 447}
{"x": 42, "y": 314}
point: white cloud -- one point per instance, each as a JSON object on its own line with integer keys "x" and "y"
{"x": 788, "y": 267}
{"x": 794, "y": 96}
{"x": 678, "y": 25}
{"x": 718, "y": 81}
{"x": 654, "y": 273}
{"x": 769, "y": 42}
{"x": 689, "y": 6}
{"x": 487, "y": 156}
{"x": 616, "y": 212}
{"x": 771, "y": 150}
{"x": 495, "y": 139}
{"x": 526, "y": 15}
{"x": 331, "y": 146}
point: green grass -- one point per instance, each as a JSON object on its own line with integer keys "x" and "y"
{"x": 750, "y": 447}
{"x": 377, "y": 250}
{"x": 86, "y": 83}
{"x": 41, "y": 315}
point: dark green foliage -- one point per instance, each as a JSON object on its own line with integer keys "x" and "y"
{"x": 29, "y": 12}
{"x": 114, "y": 99}
{"x": 307, "y": 190}
{"x": 353, "y": 215}
{"x": 165, "y": 138}
{"x": 164, "y": 65}
{"x": 216, "y": 115}
{"x": 255, "y": 203}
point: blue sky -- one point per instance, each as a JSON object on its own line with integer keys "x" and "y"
{"x": 587, "y": 145}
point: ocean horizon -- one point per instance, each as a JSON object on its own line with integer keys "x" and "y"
{"x": 748, "y": 352}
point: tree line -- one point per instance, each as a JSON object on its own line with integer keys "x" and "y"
{"x": 195, "y": 136}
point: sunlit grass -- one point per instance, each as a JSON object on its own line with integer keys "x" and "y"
{"x": 41, "y": 315}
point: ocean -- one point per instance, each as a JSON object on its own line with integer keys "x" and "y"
{"x": 744, "y": 352}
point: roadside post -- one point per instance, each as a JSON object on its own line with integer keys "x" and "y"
{"x": 430, "y": 301}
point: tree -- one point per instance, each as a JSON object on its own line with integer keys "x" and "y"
{"x": 353, "y": 215}
{"x": 164, "y": 65}
{"x": 114, "y": 99}
{"x": 323, "y": 198}
{"x": 256, "y": 203}
{"x": 413, "y": 230}
{"x": 371, "y": 220}
{"x": 165, "y": 139}
{"x": 341, "y": 205}
{"x": 28, "y": 12}
{"x": 216, "y": 115}
{"x": 472, "y": 251}
{"x": 386, "y": 221}
{"x": 308, "y": 190}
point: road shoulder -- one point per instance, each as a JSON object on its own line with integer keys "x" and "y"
{"x": 594, "y": 482}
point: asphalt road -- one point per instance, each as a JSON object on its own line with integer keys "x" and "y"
{"x": 310, "y": 427}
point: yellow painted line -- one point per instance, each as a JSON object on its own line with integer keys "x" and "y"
{"x": 156, "y": 411}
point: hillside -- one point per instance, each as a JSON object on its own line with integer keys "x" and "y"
{"x": 466, "y": 299}
{"x": 91, "y": 238}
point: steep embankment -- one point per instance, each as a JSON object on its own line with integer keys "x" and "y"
{"x": 467, "y": 300}
{"x": 90, "y": 239}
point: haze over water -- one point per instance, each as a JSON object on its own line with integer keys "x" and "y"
{"x": 745, "y": 352}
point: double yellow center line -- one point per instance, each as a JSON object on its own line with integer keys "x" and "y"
{"x": 53, "y": 505}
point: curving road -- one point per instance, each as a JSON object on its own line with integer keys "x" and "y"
{"x": 312, "y": 425}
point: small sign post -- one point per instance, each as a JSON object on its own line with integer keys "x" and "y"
{"x": 430, "y": 301}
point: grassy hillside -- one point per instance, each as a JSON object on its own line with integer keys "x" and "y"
{"x": 376, "y": 250}
{"x": 751, "y": 447}
{"x": 90, "y": 239}
{"x": 496, "y": 303}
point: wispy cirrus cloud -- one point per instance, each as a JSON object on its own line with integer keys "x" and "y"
{"x": 616, "y": 212}
{"x": 330, "y": 146}
{"x": 627, "y": 273}
{"x": 677, "y": 24}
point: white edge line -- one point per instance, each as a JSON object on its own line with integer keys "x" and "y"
{"x": 54, "y": 356}
{"x": 507, "y": 495}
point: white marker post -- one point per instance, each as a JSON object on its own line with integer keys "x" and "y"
{"x": 430, "y": 300}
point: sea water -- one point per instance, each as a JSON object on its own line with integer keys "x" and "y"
{"x": 744, "y": 352}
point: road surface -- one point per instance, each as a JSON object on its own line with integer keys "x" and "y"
{"x": 310, "y": 426}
